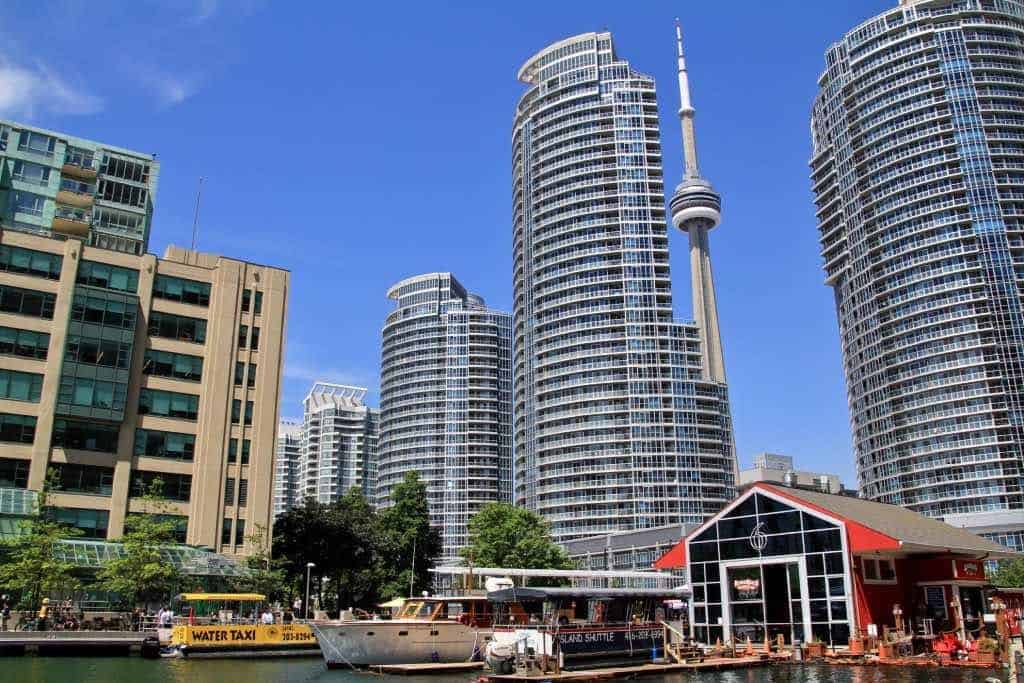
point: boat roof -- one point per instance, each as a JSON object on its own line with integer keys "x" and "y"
{"x": 520, "y": 594}
{"x": 551, "y": 573}
{"x": 242, "y": 597}
{"x": 449, "y": 598}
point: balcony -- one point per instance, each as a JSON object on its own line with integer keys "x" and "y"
{"x": 74, "y": 198}
{"x": 69, "y": 221}
{"x": 79, "y": 164}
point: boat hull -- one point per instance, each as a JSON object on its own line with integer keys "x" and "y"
{"x": 368, "y": 643}
{"x": 245, "y": 640}
{"x": 639, "y": 641}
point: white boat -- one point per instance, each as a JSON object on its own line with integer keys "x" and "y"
{"x": 426, "y": 630}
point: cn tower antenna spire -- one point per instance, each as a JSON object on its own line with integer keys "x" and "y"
{"x": 696, "y": 210}
{"x": 686, "y": 110}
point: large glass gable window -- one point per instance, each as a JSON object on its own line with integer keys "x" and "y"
{"x": 743, "y": 545}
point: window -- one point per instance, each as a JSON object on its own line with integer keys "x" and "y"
{"x": 127, "y": 169}
{"x": 243, "y": 493}
{"x": 245, "y": 451}
{"x": 180, "y": 530}
{"x": 31, "y": 204}
{"x": 24, "y": 343}
{"x": 879, "y": 570}
{"x": 177, "y": 327}
{"x": 37, "y": 143}
{"x": 92, "y": 523}
{"x": 17, "y": 429}
{"x": 30, "y": 262}
{"x": 14, "y": 473}
{"x": 243, "y": 333}
{"x": 20, "y": 386}
{"x": 121, "y": 193}
{"x": 246, "y": 297}
{"x": 176, "y": 365}
{"x": 85, "y": 436}
{"x": 98, "y": 481}
{"x": 27, "y": 172}
{"x": 240, "y": 531}
{"x": 122, "y": 222}
{"x": 91, "y": 351}
{"x": 179, "y": 289}
{"x": 76, "y": 186}
{"x": 251, "y": 377}
{"x": 257, "y": 306}
{"x": 27, "y": 302}
{"x": 172, "y": 486}
{"x": 92, "y": 393}
{"x": 254, "y": 341}
{"x": 229, "y": 491}
{"x": 107, "y": 313}
{"x": 232, "y": 450}
{"x": 236, "y": 411}
{"x": 239, "y": 373}
{"x": 108, "y": 277}
{"x": 164, "y": 444}
{"x": 168, "y": 404}
{"x": 5, "y": 134}
{"x": 75, "y": 156}
{"x": 225, "y": 532}
{"x": 248, "y": 413}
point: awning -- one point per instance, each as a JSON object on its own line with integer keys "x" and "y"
{"x": 675, "y": 558}
{"x": 223, "y": 597}
{"x": 392, "y": 604}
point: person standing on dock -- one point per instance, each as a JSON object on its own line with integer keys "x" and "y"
{"x": 5, "y": 612}
{"x": 42, "y": 615}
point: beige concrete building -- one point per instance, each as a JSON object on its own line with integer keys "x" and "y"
{"x": 116, "y": 369}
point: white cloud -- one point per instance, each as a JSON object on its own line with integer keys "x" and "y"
{"x": 309, "y": 373}
{"x": 205, "y": 9}
{"x": 28, "y": 91}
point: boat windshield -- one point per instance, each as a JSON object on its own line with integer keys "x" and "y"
{"x": 423, "y": 610}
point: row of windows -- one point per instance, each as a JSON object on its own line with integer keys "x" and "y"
{"x": 236, "y": 412}
{"x": 181, "y": 290}
{"x": 168, "y": 404}
{"x": 101, "y": 352}
{"x": 240, "y": 374}
{"x": 85, "y": 436}
{"x": 30, "y": 262}
{"x": 13, "y": 473}
{"x": 92, "y": 523}
{"x": 20, "y": 386}
{"x": 27, "y": 302}
{"x": 92, "y": 393}
{"x": 123, "y": 194}
{"x": 123, "y": 168}
{"x": 24, "y": 343}
{"x": 108, "y": 277}
{"x": 172, "y": 486}
{"x": 176, "y": 365}
{"x": 177, "y": 327}
{"x": 164, "y": 444}
{"x": 225, "y": 534}
{"x": 97, "y": 481}
{"x": 253, "y": 340}
{"x": 243, "y": 492}
{"x": 233, "y": 451}
{"x": 17, "y": 428}
{"x": 90, "y": 309}
{"x": 257, "y": 301}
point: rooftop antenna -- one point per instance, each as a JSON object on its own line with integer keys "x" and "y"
{"x": 195, "y": 217}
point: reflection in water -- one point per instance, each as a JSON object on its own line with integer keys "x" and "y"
{"x": 137, "y": 670}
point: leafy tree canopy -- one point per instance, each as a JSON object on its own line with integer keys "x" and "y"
{"x": 501, "y": 535}
{"x": 1009, "y": 574}
{"x": 409, "y": 546}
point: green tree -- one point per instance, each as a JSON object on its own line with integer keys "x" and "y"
{"x": 32, "y": 565}
{"x": 407, "y": 540}
{"x": 1009, "y": 574}
{"x": 141, "y": 575}
{"x": 265, "y": 574}
{"x": 501, "y": 535}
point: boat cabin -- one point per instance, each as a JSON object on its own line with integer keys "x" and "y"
{"x": 470, "y": 610}
{"x": 218, "y": 608}
{"x": 568, "y": 607}
{"x": 808, "y": 565}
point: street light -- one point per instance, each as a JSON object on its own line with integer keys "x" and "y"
{"x": 309, "y": 568}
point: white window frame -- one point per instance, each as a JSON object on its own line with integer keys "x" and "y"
{"x": 878, "y": 565}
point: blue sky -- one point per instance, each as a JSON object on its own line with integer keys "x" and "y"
{"x": 360, "y": 143}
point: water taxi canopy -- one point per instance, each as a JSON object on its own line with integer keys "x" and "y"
{"x": 222, "y": 597}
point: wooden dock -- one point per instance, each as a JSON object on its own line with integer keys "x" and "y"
{"x": 85, "y": 643}
{"x": 426, "y": 668}
{"x": 611, "y": 673}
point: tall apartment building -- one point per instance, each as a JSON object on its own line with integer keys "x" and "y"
{"x": 287, "y": 462}
{"x": 446, "y": 401}
{"x": 118, "y": 369}
{"x": 621, "y": 421}
{"x": 60, "y": 185}
{"x": 339, "y": 444}
{"x": 918, "y": 174}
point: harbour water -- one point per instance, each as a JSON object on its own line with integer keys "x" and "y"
{"x": 137, "y": 670}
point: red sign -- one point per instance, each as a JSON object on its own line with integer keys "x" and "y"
{"x": 971, "y": 570}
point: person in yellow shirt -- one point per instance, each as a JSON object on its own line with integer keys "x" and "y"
{"x": 44, "y": 612}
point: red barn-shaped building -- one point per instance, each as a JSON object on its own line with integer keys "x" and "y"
{"x": 809, "y": 565}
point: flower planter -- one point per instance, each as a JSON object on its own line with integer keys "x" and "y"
{"x": 984, "y": 657}
{"x": 815, "y": 650}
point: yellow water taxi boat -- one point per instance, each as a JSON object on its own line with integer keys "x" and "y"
{"x": 230, "y": 625}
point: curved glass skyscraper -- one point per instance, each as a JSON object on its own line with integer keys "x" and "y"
{"x": 445, "y": 402}
{"x": 617, "y": 424}
{"x": 918, "y": 172}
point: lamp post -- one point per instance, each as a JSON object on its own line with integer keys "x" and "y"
{"x": 309, "y": 568}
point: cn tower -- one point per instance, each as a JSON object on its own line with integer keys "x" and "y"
{"x": 696, "y": 209}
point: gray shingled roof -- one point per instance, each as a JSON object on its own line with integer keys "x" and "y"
{"x": 912, "y": 528}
